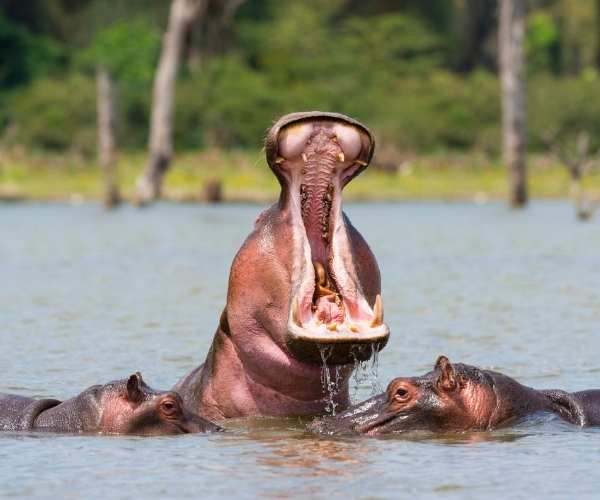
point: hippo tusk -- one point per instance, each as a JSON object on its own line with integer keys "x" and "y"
{"x": 341, "y": 156}
{"x": 377, "y": 312}
{"x": 296, "y": 312}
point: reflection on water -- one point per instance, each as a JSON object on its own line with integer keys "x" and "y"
{"x": 87, "y": 297}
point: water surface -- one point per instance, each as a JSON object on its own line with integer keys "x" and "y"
{"x": 88, "y": 296}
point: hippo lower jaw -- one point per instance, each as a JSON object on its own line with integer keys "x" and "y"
{"x": 337, "y": 326}
{"x": 329, "y": 315}
{"x": 350, "y": 340}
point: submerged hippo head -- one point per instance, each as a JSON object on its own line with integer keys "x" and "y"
{"x": 450, "y": 398}
{"x": 126, "y": 406}
{"x": 328, "y": 290}
{"x": 132, "y": 407}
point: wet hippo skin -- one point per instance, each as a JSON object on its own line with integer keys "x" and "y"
{"x": 126, "y": 406}
{"x": 457, "y": 397}
{"x": 304, "y": 285}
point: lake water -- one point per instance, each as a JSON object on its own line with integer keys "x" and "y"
{"x": 88, "y": 296}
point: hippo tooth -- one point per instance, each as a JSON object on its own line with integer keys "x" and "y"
{"x": 332, "y": 327}
{"x": 296, "y": 312}
{"x": 361, "y": 162}
{"x": 341, "y": 156}
{"x": 304, "y": 158}
{"x": 377, "y": 312}
{"x": 279, "y": 160}
{"x": 354, "y": 328}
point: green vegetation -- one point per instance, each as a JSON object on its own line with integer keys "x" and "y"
{"x": 421, "y": 74}
{"x": 245, "y": 177}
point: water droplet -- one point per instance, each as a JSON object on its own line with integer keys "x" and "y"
{"x": 330, "y": 387}
{"x": 365, "y": 379}
{"x": 374, "y": 375}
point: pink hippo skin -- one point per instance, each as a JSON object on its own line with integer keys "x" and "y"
{"x": 457, "y": 398}
{"x": 304, "y": 284}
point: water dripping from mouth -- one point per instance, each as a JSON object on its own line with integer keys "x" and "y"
{"x": 365, "y": 378}
{"x": 374, "y": 371}
{"x": 331, "y": 387}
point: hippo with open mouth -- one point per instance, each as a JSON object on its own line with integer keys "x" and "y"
{"x": 126, "y": 406}
{"x": 457, "y": 398}
{"x": 304, "y": 286}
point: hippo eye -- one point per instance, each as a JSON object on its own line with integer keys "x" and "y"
{"x": 169, "y": 407}
{"x": 401, "y": 394}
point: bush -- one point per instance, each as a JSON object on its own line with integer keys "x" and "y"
{"x": 442, "y": 111}
{"x": 55, "y": 114}
{"x": 128, "y": 50}
{"x": 224, "y": 105}
{"x": 59, "y": 114}
{"x": 227, "y": 104}
{"x": 560, "y": 108}
{"x": 24, "y": 56}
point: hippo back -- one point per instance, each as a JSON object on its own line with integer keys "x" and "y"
{"x": 590, "y": 403}
{"x": 579, "y": 408}
{"x": 18, "y": 413}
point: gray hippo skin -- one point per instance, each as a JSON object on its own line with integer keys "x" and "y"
{"x": 457, "y": 398}
{"x": 127, "y": 406}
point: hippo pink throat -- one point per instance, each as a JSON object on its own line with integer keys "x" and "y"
{"x": 318, "y": 159}
{"x": 321, "y": 155}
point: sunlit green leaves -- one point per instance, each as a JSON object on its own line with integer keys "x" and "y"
{"x": 129, "y": 50}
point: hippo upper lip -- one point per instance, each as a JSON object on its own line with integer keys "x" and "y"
{"x": 271, "y": 143}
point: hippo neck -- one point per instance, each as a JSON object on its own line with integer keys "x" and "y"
{"x": 79, "y": 414}
{"x": 514, "y": 400}
{"x": 208, "y": 389}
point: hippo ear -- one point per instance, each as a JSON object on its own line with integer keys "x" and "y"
{"x": 134, "y": 388}
{"x": 447, "y": 378}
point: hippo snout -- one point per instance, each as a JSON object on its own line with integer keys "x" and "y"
{"x": 192, "y": 424}
{"x": 355, "y": 420}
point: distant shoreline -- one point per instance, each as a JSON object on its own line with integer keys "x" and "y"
{"x": 245, "y": 178}
{"x": 75, "y": 199}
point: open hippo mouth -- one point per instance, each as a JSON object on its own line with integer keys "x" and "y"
{"x": 315, "y": 155}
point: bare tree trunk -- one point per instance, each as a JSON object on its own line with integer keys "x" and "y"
{"x": 597, "y": 35}
{"x": 217, "y": 29}
{"x": 182, "y": 14}
{"x": 474, "y": 20}
{"x": 512, "y": 73}
{"x": 212, "y": 35}
{"x": 107, "y": 143}
{"x": 579, "y": 160}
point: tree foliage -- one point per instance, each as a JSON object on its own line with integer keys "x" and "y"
{"x": 421, "y": 73}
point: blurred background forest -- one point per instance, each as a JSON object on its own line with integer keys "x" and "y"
{"x": 423, "y": 75}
